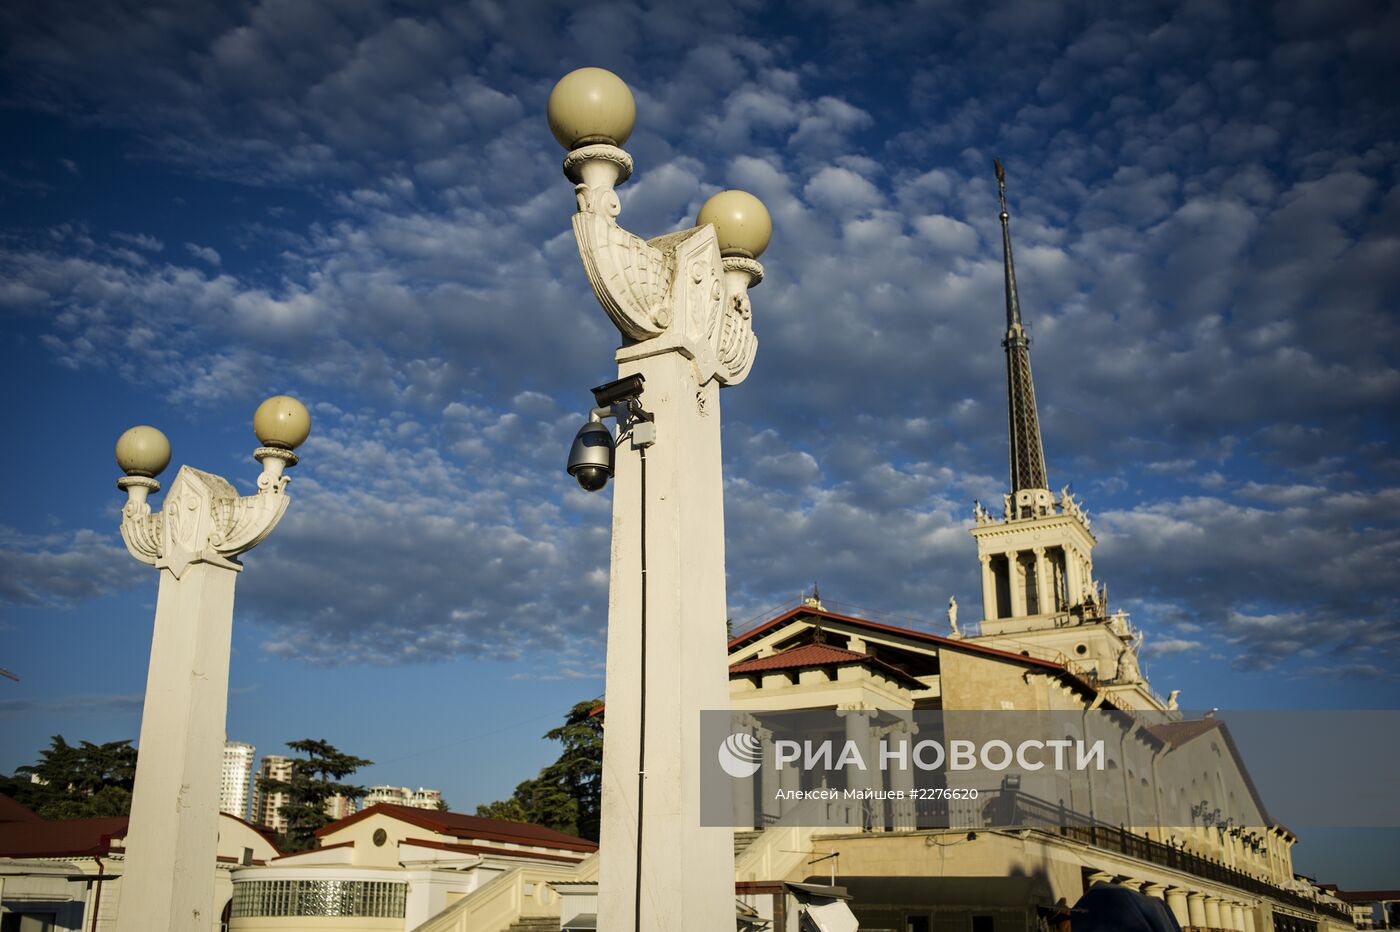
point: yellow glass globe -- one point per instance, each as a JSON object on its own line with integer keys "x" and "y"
{"x": 143, "y": 451}
{"x": 282, "y": 421}
{"x": 741, "y": 223}
{"x": 591, "y": 105}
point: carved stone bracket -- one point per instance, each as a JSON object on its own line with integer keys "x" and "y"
{"x": 204, "y": 519}
{"x": 670, "y": 293}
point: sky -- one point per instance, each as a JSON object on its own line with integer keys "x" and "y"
{"x": 361, "y": 205}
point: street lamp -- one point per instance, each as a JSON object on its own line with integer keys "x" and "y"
{"x": 681, "y": 305}
{"x": 194, "y": 541}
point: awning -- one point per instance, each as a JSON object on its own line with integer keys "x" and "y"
{"x": 829, "y": 916}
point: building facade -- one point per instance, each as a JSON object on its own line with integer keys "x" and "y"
{"x": 267, "y": 806}
{"x": 236, "y": 779}
{"x": 421, "y": 798}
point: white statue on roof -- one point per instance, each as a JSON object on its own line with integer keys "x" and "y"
{"x": 953, "y": 615}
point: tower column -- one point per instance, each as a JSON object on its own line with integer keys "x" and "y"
{"x": 1074, "y": 577}
{"x": 1196, "y": 909}
{"x": 1016, "y": 582}
{"x": 1044, "y": 594}
{"x": 989, "y": 587}
{"x": 1213, "y": 919}
{"x": 1176, "y": 902}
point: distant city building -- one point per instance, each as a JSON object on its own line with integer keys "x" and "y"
{"x": 235, "y": 786}
{"x": 403, "y": 796}
{"x": 267, "y": 807}
{"x": 340, "y": 807}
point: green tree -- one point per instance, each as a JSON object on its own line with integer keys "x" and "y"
{"x": 567, "y": 794}
{"x": 76, "y": 781}
{"x": 314, "y": 780}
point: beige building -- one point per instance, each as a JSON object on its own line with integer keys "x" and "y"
{"x": 68, "y": 874}
{"x": 392, "y": 868}
{"x": 1197, "y": 838}
{"x": 267, "y": 806}
{"x": 236, "y": 779}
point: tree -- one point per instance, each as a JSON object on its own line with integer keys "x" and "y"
{"x": 567, "y": 794}
{"x": 314, "y": 780}
{"x": 76, "y": 781}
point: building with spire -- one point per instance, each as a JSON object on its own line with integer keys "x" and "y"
{"x": 1171, "y": 814}
{"x": 1039, "y": 595}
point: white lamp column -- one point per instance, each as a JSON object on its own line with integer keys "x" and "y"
{"x": 194, "y": 541}
{"x": 680, "y": 303}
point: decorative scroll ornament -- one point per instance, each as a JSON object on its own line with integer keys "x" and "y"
{"x": 670, "y": 292}
{"x": 204, "y": 519}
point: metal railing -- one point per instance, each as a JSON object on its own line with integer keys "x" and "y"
{"x": 1013, "y": 809}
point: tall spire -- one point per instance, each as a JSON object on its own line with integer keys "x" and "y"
{"x": 1027, "y": 454}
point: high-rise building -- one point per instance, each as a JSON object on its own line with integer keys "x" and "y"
{"x": 267, "y": 807}
{"x": 236, "y": 783}
{"x": 340, "y": 807}
{"x": 422, "y": 798}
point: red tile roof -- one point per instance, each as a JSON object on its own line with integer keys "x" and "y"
{"x": 461, "y": 825}
{"x": 822, "y": 655}
{"x": 1365, "y": 896}
{"x": 949, "y": 643}
{"x": 11, "y": 811}
{"x": 808, "y": 655}
{"x": 60, "y": 838}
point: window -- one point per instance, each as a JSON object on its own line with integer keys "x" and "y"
{"x": 376, "y": 899}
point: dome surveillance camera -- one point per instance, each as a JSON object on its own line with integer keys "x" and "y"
{"x": 591, "y": 456}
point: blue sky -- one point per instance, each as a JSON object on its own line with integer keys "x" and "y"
{"x": 201, "y": 205}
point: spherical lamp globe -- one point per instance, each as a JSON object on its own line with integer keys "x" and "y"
{"x": 591, "y": 105}
{"x": 282, "y": 422}
{"x": 741, "y": 223}
{"x": 143, "y": 451}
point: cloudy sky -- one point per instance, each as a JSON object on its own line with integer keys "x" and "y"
{"x": 203, "y": 204}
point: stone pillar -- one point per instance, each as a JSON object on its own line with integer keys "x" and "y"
{"x": 1249, "y": 925}
{"x": 683, "y": 671}
{"x": 901, "y": 779}
{"x": 1236, "y": 917}
{"x": 789, "y": 780}
{"x": 1044, "y": 584}
{"x": 684, "y": 317}
{"x": 989, "y": 588}
{"x": 858, "y": 732}
{"x": 1176, "y": 902}
{"x": 742, "y": 788}
{"x": 1158, "y": 891}
{"x": 1213, "y": 918}
{"x": 1196, "y": 909}
{"x": 174, "y": 825}
{"x": 1074, "y": 582}
{"x": 1097, "y": 877}
{"x": 1016, "y": 582}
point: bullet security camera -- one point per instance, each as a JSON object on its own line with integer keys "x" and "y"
{"x": 624, "y": 389}
{"x": 591, "y": 455}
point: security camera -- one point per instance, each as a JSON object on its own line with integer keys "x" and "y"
{"x": 591, "y": 455}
